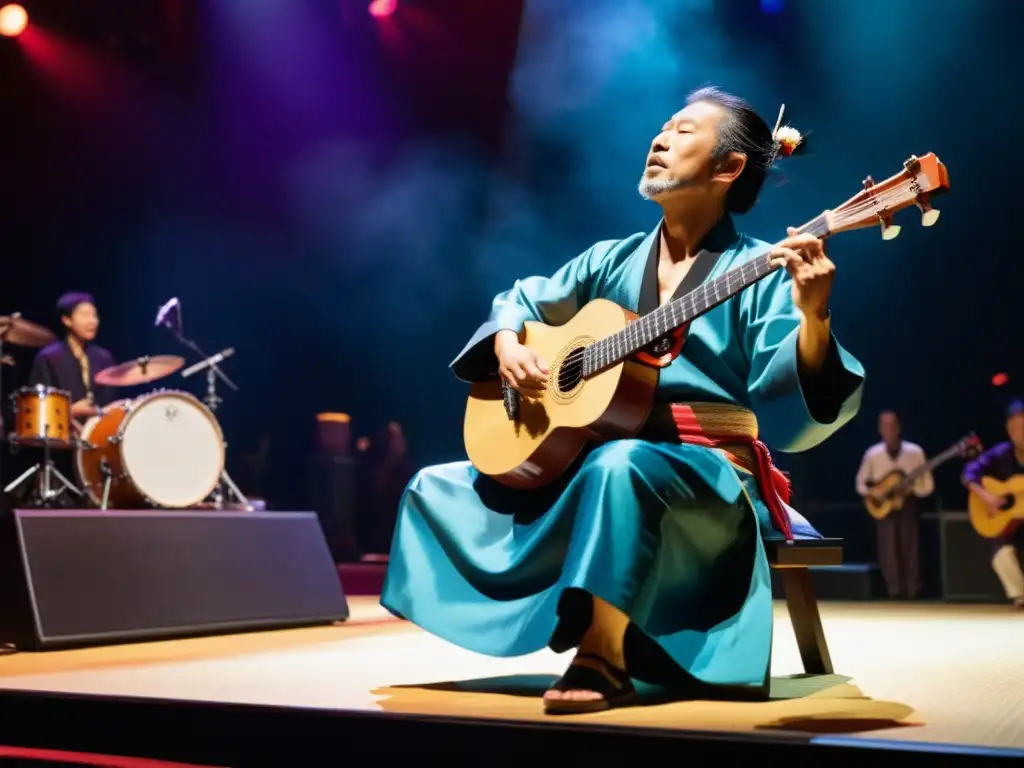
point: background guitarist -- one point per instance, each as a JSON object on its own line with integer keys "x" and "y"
{"x": 1001, "y": 462}
{"x": 897, "y": 532}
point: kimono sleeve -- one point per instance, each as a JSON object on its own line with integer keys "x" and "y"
{"x": 794, "y": 412}
{"x": 552, "y": 300}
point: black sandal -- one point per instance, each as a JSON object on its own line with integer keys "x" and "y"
{"x": 611, "y": 683}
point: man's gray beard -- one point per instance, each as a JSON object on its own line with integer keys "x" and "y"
{"x": 649, "y": 189}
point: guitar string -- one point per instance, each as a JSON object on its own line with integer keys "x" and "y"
{"x": 841, "y": 217}
{"x": 876, "y": 203}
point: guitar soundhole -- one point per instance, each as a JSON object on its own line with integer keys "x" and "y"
{"x": 570, "y": 373}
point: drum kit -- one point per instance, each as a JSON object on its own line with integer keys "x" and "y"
{"x": 164, "y": 449}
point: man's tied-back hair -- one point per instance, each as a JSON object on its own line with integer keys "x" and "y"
{"x": 741, "y": 130}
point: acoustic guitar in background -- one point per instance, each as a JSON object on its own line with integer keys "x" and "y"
{"x": 604, "y": 362}
{"x": 988, "y": 522}
{"x": 889, "y": 493}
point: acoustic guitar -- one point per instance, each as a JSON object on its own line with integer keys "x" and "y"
{"x": 988, "y": 522}
{"x": 889, "y": 493}
{"x": 604, "y": 362}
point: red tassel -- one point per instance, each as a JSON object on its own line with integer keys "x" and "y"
{"x": 771, "y": 495}
{"x": 782, "y": 483}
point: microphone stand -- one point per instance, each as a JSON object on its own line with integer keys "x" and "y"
{"x": 212, "y": 400}
{"x": 3, "y": 421}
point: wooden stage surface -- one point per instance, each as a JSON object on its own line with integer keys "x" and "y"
{"x": 910, "y": 672}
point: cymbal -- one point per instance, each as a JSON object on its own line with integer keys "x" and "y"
{"x": 140, "y": 371}
{"x": 16, "y": 330}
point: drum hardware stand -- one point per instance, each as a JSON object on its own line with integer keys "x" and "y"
{"x": 212, "y": 400}
{"x": 107, "y": 477}
{"x": 44, "y": 472}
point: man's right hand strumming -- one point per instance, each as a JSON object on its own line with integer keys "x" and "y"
{"x": 993, "y": 502}
{"x": 519, "y": 365}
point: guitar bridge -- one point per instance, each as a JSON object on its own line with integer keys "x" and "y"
{"x": 511, "y": 398}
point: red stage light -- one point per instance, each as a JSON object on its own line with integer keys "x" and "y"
{"x": 383, "y": 8}
{"x": 1000, "y": 379}
{"x": 13, "y": 20}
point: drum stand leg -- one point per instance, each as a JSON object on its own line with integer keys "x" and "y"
{"x": 44, "y": 472}
{"x": 218, "y": 495}
{"x": 107, "y": 477}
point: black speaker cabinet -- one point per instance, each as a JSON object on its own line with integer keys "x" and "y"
{"x": 967, "y": 573}
{"x": 76, "y": 578}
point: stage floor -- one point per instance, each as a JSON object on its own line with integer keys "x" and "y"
{"x": 926, "y": 673}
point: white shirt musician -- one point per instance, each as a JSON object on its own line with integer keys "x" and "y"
{"x": 897, "y": 533}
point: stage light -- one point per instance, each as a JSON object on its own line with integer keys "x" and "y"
{"x": 381, "y": 9}
{"x": 1000, "y": 380}
{"x": 773, "y": 6}
{"x": 13, "y": 20}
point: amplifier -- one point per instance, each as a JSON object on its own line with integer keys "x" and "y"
{"x": 967, "y": 573}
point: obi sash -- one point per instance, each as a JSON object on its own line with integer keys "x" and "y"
{"x": 733, "y": 430}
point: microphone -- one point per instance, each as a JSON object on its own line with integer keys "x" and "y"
{"x": 169, "y": 315}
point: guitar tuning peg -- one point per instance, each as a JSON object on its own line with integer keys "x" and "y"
{"x": 929, "y": 215}
{"x": 889, "y": 230}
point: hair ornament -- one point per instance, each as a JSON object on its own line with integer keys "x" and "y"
{"x": 785, "y": 138}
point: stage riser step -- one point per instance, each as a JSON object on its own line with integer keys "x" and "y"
{"x": 857, "y": 581}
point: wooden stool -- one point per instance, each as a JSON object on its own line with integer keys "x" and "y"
{"x": 792, "y": 559}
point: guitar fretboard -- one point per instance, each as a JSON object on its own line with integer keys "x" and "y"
{"x": 645, "y": 330}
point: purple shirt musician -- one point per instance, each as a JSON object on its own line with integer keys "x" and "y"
{"x": 72, "y": 363}
{"x": 1001, "y": 462}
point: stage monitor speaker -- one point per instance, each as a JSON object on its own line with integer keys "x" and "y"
{"x": 76, "y": 578}
{"x": 967, "y": 573}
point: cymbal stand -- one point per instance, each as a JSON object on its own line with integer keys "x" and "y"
{"x": 44, "y": 472}
{"x": 213, "y": 400}
{"x": 3, "y": 422}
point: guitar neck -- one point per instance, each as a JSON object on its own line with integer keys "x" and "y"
{"x": 644, "y": 331}
{"x": 931, "y": 464}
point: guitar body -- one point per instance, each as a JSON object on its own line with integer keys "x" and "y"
{"x": 537, "y": 447}
{"x": 993, "y": 525}
{"x": 882, "y": 509}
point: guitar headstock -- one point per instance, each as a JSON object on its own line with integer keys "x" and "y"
{"x": 970, "y": 446}
{"x": 920, "y": 180}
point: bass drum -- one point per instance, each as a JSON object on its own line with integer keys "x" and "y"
{"x": 165, "y": 449}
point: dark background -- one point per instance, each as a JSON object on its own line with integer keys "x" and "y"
{"x": 338, "y": 196}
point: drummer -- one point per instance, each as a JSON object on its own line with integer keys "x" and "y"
{"x": 71, "y": 364}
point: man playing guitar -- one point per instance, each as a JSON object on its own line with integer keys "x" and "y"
{"x": 897, "y": 532}
{"x": 1002, "y": 462}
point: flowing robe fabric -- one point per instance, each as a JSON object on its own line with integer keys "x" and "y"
{"x": 669, "y": 533}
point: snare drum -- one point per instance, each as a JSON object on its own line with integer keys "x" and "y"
{"x": 42, "y": 415}
{"x": 164, "y": 449}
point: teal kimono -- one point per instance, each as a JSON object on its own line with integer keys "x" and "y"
{"x": 670, "y": 533}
